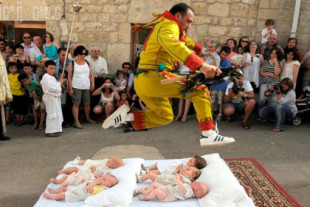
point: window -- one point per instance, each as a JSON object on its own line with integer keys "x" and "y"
{"x": 12, "y": 31}
{"x": 137, "y": 41}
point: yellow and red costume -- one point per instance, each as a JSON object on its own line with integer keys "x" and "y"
{"x": 168, "y": 44}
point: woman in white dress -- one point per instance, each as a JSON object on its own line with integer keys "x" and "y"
{"x": 291, "y": 66}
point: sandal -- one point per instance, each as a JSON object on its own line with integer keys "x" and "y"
{"x": 78, "y": 126}
{"x": 245, "y": 125}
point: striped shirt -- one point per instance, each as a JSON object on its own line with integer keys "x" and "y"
{"x": 268, "y": 68}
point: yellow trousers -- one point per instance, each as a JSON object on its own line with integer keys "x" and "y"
{"x": 155, "y": 96}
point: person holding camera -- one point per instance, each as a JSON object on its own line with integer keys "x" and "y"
{"x": 270, "y": 75}
{"x": 108, "y": 95}
{"x": 239, "y": 96}
{"x": 281, "y": 104}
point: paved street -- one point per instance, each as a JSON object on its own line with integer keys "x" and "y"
{"x": 29, "y": 159}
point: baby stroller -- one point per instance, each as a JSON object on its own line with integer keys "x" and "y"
{"x": 303, "y": 107}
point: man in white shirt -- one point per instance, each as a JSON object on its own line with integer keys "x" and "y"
{"x": 239, "y": 97}
{"x": 99, "y": 64}
{"x": 212, "y": 57}
{"x": 35, "y": 54}
{"x": 100, "y": 69}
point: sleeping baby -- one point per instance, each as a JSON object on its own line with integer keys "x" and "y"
{"x": 179, "y": 191}
{"x": 89, "y": 170}
{"x": 82, "y": 191}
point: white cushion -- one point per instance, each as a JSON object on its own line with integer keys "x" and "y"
{"x": 224, "y": 189}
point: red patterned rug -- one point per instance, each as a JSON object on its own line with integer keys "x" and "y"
{"x": 259, "y": 184}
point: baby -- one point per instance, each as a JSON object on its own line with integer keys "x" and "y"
{"x": 181, "y": 191}
{"x": 188, "y": 175}
{"x": 89, "y": 170}
{"x": 167, "y": 166}
{"x": 83, "y": 190}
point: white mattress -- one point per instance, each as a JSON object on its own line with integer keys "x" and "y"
{"x": 224, "y": 189}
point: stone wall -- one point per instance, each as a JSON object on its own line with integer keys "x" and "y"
{"x": 107, "y": 23}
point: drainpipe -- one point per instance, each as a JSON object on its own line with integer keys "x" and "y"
{"x": 295, "y": 18}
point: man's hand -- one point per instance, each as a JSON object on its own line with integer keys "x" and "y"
{"x": 92, "y": 87}
{"x": 202, "y": 54}
{"x": 210, "y": 71}
{"x": 241, "y": 94}
{"x": 70, "y": 92}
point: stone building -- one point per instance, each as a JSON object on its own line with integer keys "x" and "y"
{"x": 107, "y": 23}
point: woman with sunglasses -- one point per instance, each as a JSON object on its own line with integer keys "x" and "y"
{"x": 243, "y": 45}
{"x": 80, "y": 83}
{"x": 251, "y": 63}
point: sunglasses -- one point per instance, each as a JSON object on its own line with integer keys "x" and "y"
{"x": 2, "y": 43}
{"x": 84, "y": 53}
{"x": 251, "y": 59}
{"x": 244, "y": 41}
{"x": 26, "y": 37}
{"x": 126, "y": 67}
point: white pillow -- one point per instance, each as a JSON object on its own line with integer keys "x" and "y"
{"x": 224, "y": 188}
{"x": 121, "y": 194}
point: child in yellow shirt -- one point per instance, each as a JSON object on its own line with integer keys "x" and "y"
{"x": 19, "y": 103}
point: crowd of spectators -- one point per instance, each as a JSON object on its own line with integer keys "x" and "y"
{"x": 267, "y": 81}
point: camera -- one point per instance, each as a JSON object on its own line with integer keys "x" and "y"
{"x": 109, "y": 84}
{"x": 277, "y": 87}
{"x": 235, "y": 89}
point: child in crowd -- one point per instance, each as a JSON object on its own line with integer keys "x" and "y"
{"x": 305, "y": 96}
{"x": 217, "y": 91}
{"x": 181, "y": 191}
{"x": 19, "y": 103}
{"x": 50, "y": 49}
{"x": 83, "y": 190}
{"x": 35, "y": 90}
{"x": 123, "y": 99}
{"x": 52, "y": 92}
{"x": 28, "y": 70}
{"x": 104, "y": 166}
{"x": 137, "y": 103}
{"x": 184, "y": 104}
{"x": 266, "y": 32}
{"x": 120, "y": 81}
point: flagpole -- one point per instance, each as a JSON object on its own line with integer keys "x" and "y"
{"x": 76, "y": 8}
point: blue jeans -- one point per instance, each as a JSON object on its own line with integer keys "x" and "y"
{"x": 279, "y": 112}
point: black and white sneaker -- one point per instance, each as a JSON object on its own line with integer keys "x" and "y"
{"x": 118, "y": 118}
{"x": 214, "y": 139}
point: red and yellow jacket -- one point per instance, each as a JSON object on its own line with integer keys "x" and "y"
{"x": 168, "y": 44}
